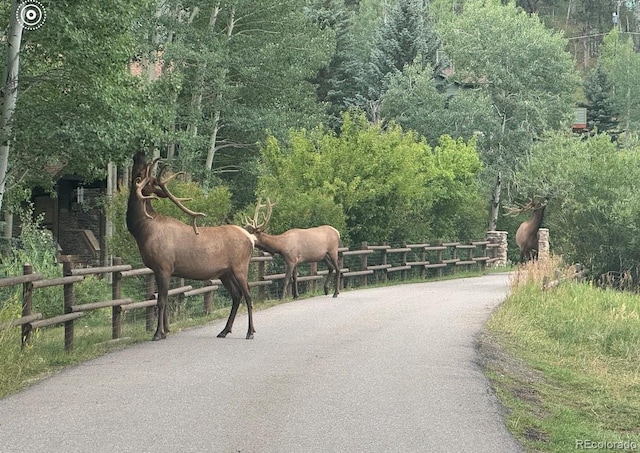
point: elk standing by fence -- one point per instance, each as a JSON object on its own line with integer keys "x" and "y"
{"x": 527, "y": 233}
{"x": 298, "y": 246}
{"x": 172, "y": 248}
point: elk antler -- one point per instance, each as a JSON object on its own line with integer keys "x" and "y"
{"x": 178, "y": 201}
{"x": 142, "y": 181}
{"x": 253, "y": 224}
{"x": 519, "y": 208}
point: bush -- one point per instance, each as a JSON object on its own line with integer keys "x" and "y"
{"x": 34, "y": 246}
{"x": 381, "y": 184}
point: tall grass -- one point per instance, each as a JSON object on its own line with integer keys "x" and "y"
{"x": 574, "y": 374}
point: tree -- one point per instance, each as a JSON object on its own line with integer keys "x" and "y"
{"x": 78, "y": 107}
{"x": 622, "y": 64}
{"x": 404, "y": 37}
{"x": 524, "y": 70}
{"x": 603, "y": 112}
{"x": 9, "y": 93}
{"x": 373, "y": 184}
{"x": 243, "y": 69}
{"x": 416, "y": 101}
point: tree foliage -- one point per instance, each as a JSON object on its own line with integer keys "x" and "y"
{"x": 603, "y": 112}
{"x": 377, "y": 185}
{"x": 622, "y": 64}
{"x": 78, "y": 106}
{"x": 521, "y": 64}
{"x": 595, "y": 215}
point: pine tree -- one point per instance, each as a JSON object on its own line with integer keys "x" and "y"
{"x": 404, "y": 37}
{"x": 602, "y": 111}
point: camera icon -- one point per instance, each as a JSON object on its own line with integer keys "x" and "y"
{"x": 31, "y": 14}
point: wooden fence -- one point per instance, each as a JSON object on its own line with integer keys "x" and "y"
{"x": 359, "y": 267}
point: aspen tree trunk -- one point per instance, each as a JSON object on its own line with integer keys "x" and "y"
{"x": 495, "y": 205}
{"x": 216, "y": 117}
{"x": 9, "y": 94}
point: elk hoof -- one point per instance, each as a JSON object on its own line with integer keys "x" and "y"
{"x": 158, "y": 337}
{"x": 223, "y": 334}
{"x": 249, "y": 336}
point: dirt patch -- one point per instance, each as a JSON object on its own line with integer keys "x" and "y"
{"x": 495, "y": 358}
{"x": 511, "y": 376}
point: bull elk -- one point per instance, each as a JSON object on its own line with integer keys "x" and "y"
{"x": 298, "y": 246}
{"x": 170, "y": 247}
{"x": 527, "y": 232}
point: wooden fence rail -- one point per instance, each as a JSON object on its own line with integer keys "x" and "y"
{"x": 358, "y": 266}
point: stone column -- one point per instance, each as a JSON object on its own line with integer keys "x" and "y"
{"x": 543, "y": 243}
{"x": 499, "y": 237}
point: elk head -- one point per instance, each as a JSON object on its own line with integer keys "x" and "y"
{"x": 149, "y": 187}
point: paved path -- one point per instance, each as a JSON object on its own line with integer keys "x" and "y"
{"x": 376, "y": 370}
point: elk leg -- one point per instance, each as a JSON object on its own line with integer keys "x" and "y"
{"x": 232, "y": 317}
{"x": 163, "y": 317}
{"x": 235, "y": 298}
{"x": 294, "y": 276}
{"x": 287, "y": 279}
{"x": 237, "y": 291}
{"x": 332, "y": 264}
{"x": 244, "y": 287}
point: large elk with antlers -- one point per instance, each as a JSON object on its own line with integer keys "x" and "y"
{"x": 527, "y": 232}
{"x": 172, "y": 248}
{"x": 297, "y": 246}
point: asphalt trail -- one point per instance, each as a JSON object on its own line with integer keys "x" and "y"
{"x": 391, "y": 369}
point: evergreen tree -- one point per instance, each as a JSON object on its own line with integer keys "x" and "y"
{"x": 404, "y": 36}
{"x": 602, "y": 111}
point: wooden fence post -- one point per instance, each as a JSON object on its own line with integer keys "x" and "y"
{"x": 405, "y": 273}
{"x": 207, "y": 301}
{"x": 69, "y": 300}
{"x": 364, "y": 263}
{"x": 262, "y": 295}
{"x": 27, "y": 302}
{"x": 385, "y": 277}
{"x": 116, "y": 310}
{"x": 312, "y": 285}
{"x": 439, "y": 254}
{"x": 340, "y": 266}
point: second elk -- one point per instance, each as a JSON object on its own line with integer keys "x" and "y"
{"x": 298, "y": 245}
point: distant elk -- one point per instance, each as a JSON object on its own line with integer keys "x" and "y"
{"x": 298, "y": 246}
{"x": 527, "y": 233}
{"x": 170, "y": 247}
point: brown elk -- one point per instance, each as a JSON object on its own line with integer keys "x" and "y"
{"x": 527, "y": 232}
{"x": 172, "y": 248}
{"x": 298, "y": 246}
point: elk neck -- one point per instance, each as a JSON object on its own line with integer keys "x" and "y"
{"x": 537, "y": 216}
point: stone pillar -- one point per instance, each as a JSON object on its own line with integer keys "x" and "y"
{"x": 499, "y": 237}
{"x": 543, "y": 243}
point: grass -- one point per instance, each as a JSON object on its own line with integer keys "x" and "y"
{"x": 566, "y": 363}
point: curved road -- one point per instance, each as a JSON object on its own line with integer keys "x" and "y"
{"x": 376, "y": 370}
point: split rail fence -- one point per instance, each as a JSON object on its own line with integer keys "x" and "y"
{"x": 359, "y": 267}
